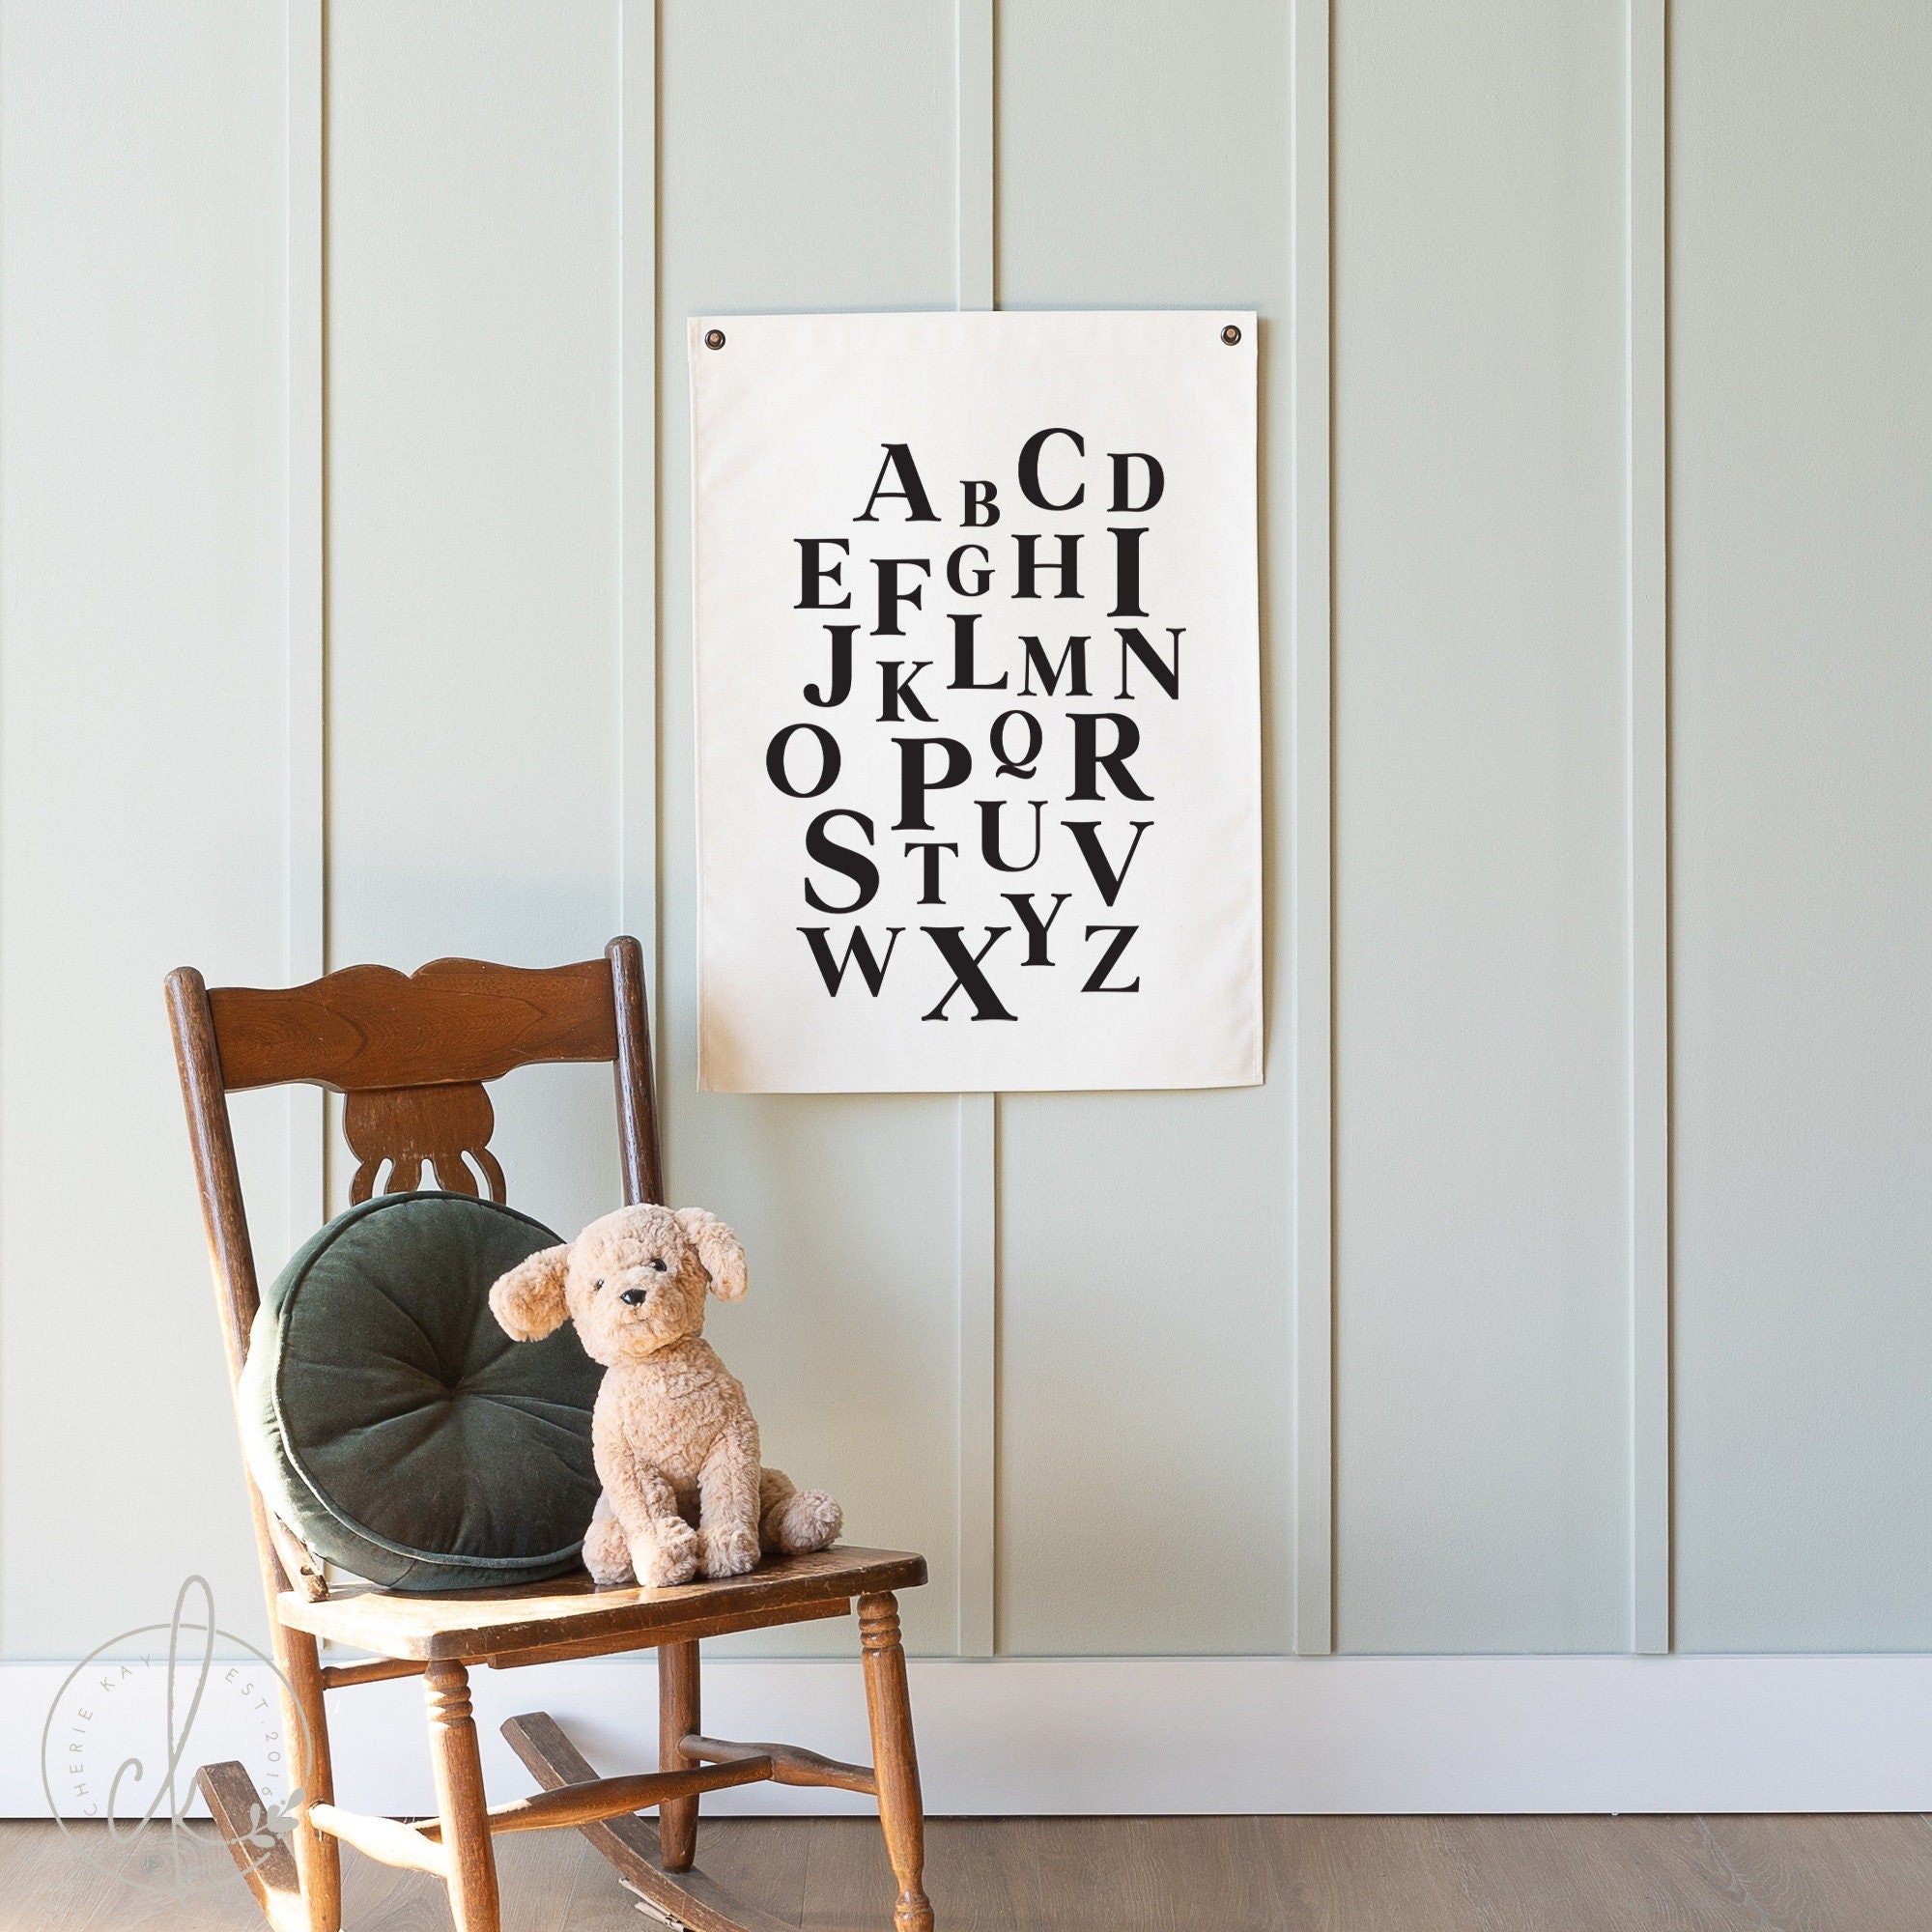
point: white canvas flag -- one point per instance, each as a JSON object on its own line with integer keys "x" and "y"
{"x": 978, "y": 701}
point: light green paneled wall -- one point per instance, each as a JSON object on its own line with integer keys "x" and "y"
{"x": 473, "y": 752}
{"x": 1802, "y": 475}
{"x": 523, "y": 204}
{"x": 1481, "y": 1099}
{"x": 1146, "y": 1368}
{"x": 141, "y": 772}
{"x": 796, "y": 177}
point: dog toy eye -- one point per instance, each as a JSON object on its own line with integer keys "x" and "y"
{"x": 659, "y": 1264}
{"x": 598, "y": 1283}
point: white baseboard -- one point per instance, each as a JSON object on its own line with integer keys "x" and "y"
{"x": 1147, "y": 1735}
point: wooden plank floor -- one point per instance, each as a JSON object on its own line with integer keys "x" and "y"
{"x": 1815, "y": 1874}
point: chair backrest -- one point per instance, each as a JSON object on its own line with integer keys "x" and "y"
{"x": 411, "y": 1054}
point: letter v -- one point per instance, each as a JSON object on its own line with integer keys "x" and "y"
{"x": 1087, "y": 836}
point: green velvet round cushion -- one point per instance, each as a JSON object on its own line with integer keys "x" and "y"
{"x": 390, "y": 1421}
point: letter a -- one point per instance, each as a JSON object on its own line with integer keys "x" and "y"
{"x": 911, "y": 490}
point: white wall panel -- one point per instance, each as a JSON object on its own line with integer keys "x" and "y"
{"x": 1480, "y": 1169}
{"x": 1145, "y": 1466}
{"x": 1802, "y": 390}
{"x": 474, "y": 517}
{"x": 141, "y": 776}
{"x": 807, "y": 160}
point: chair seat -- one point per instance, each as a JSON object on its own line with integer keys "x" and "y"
{"x": 570, "y": 1615}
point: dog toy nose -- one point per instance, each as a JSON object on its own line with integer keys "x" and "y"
{"x": 632, "y": 1297}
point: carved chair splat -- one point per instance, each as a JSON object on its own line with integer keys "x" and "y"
{"x": 412, "y": 1056}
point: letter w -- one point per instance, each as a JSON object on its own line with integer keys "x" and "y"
{"x": 871, "y": 968}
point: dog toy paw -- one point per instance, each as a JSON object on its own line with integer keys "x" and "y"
{"x": 671, "y": 1559}
{"x": 605, "y": 1553}
{"x": 726, "y": 1553}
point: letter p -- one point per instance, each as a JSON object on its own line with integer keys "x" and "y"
{"x": 916, "y": 779}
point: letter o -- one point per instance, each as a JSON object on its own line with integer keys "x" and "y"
{"x": 829, "y": 761}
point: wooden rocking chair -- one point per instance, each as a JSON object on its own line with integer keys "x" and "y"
{"x": 412, "y": 1054}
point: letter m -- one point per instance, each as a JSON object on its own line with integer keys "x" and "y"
{"x": 1070, "y": 666}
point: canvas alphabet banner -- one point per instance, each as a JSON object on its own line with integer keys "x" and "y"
{"x": 978, "y": 701}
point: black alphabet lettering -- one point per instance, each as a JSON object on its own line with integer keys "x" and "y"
{"x": 1030, "y": 566}
{"x": 1087, "y": 836}
{"x": 841, "y": 636}
{"x": 929, "y": 850}
{"x": 963, "y": 666}
{"x": 1126, "y": 572}
{"x": 858, "y": 951}
{"x": 828, "y": 761}
{"x": 1156, "y": 481}
{"x": 1133, "y": 644}
{"x": 989, "y": 835}
{"x": 844, "y": 870}
{"x": 1024, "y": 766}
{"x": 1096, "y": 980}
{"x": 890, "y": 596}
{"x": 911, "y": 490}
{"x": 979, "y": 496}
{"x": 957, "y": 562}
{"x": 1030, "y": 469}
{"x": 811, "y": 573}
{"x": 895, "y": 691}
{"x": 1090, "y": 761}
{"x": 915, "y": 782}
{"x": 966, "y": 969}
{"x": 1036, "y": 928}
{"x": 1072, "y": 665}
{"x": 820, "y": 848}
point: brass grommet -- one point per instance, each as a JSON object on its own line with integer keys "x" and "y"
{"x": 1230, "y": 335}
{"x": 713, "y": 338}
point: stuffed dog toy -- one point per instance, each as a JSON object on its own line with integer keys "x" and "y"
{"x": 675, "y": 1445}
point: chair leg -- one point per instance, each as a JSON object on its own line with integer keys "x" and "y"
{"x": 460, "y": 1800}
{"x": 894, "y": 1760}
{"x": 677, "y": 1718}
{"x": 318, "y": 1855}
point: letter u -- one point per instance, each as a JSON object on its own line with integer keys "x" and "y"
{"x": 990, "y": 834}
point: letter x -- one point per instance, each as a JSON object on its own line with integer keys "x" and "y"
{"x": 965, "y": 969}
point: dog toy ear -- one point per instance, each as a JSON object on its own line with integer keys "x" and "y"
{"x": 719, "y": 1249}
{"x": 528, "y": 1301}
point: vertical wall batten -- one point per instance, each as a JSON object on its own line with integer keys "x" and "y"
{"x": 1649, "y": 781}
{"x": 637, "y": 882}
{"x": 979, "y": 1165}
{"x": 1311, "y": 1024}
{"x": 973, "y": 43}
{"x": 979, "y": 1176}
{"x": 306, "y": 831}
